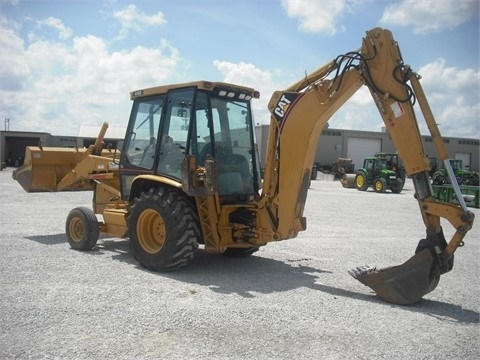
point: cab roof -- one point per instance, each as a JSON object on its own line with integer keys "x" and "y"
{"x": 203, "y": 85}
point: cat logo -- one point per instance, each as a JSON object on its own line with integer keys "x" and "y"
{"x": 284, "y": 105}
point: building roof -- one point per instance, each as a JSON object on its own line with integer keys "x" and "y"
{"x": 113, "y": 132}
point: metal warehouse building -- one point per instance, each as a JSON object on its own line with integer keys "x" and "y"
{"x": 333, "y": 143}
{"x": 356, "y": 145}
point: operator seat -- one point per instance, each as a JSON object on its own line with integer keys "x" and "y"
{"x": 233, "y": 170}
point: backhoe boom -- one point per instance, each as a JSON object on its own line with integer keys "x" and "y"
{"x": 299, "y": 114}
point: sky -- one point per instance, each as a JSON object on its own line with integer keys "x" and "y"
{"x": 64, "y": 64}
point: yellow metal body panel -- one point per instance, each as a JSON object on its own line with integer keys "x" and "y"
{"x": 203, "y": 85}
{"x": 115, "y": 222}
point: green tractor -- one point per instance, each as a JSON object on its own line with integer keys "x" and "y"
{"x": 393, "y": 163}
{"x": 377, "y": 174}
{"x": 463, "y": 176}
{"x": 433, "y": 166}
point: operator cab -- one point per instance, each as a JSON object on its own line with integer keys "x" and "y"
{"x": 202, "y": 119}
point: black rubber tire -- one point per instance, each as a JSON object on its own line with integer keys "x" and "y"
{"x": 402, "y": 175}
{"x": 398, "y": 187}
{"x": 361, "y": 182}
{"x": 380, "y": 185}
{"x": 240, "y": 252}
{"x": 82, "y": 228}
{"x": 164, "y": 228}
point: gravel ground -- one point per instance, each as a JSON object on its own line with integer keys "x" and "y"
{"x": 291, "y": 300}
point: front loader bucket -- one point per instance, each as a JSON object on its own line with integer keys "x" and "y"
{"x": 43, "y": 169}
{"x": 55, "y": 168}
{"x": 407, "y": 283}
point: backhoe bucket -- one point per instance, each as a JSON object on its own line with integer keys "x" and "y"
{"x": 407, "y": 283}
{"x": 403, "y": 284}
{"x": 43, "y": 168}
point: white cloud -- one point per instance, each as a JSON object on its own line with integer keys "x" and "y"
{"x": 131, "y": 19}
{"x": 53, "y": 87}
{"x": 56, "y": 24}
{"x": 315, "y": 16}
{"x": 359, "y": 113}
{"x": 427, "y": 16}
{"x": 249, "y": 75}
{"x": 454, "y": 96}
{"x": 13, "y": 69}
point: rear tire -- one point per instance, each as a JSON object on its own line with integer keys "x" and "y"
{"x": 361, "y": 182}
{"x": 398, "y": 186}
{"x": 164, "y": 229}
{"x": 82, "y": 228}
{"x": 240, "y": 252}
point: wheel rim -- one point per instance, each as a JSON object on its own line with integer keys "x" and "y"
{"x": 151, "y": 231}
{"x": 378, "y": 185}
{"x": 76, "y": 229}
{"x": 360, "y": 181}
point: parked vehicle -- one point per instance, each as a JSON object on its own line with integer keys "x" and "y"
{"x": 376, "y": 173}
{"x": 463, "y": 176}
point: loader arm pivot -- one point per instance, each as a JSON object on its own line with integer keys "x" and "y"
{"x": 298, "y": 115}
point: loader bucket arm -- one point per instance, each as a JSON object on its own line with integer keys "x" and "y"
{"x": 299, "y": 114}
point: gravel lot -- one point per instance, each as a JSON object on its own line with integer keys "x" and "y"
{"x": 291, "y": 300}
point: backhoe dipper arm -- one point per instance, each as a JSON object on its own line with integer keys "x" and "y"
{"x": 299, "y": 115}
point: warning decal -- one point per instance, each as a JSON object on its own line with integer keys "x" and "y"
{"x": 397, "y": 109}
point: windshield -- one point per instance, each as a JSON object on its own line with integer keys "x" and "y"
{"x": 143, "y": 131}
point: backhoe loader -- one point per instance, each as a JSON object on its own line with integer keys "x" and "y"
{"x": 188, "y": 172}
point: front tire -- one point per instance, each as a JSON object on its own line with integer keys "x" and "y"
{"x": 82, "y": 229}
{"x": 380, "y": 185}
{"x": 164, "y": 229}
{"x": 361, "y": 182}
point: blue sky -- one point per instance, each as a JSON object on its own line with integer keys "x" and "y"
{"x": 71, "y": 63}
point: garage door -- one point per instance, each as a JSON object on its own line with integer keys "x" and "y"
{"x": 359, "y": 148}
{"x": 465, "y": 157}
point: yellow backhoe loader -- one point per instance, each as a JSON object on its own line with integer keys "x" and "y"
{"x": 188, "y": 172}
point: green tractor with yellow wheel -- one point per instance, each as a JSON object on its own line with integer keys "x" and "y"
{"x": 376, "y": 173}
